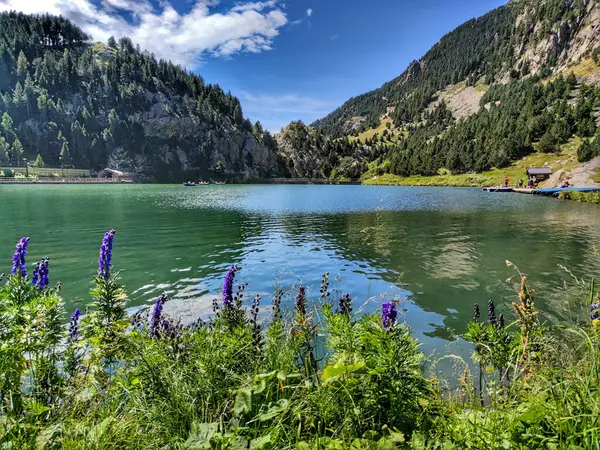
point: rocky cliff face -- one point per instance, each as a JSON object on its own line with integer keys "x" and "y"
{"x": 189, "y": 145}
{"x": 297, "y": 145}
{"x": 563, "y": 42}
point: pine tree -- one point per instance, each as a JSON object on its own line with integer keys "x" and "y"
{"x": 22, "y": 64}
{"x": 29, "y": 95}
{"x": 4, "y": 74}
{"x": 112, "y": 43}
{"x": 39, "y": 161}
{"x": 17, "y": 150}
{"x": 65, "y": 155}
{"x": 4, "y": 149}
{"x": 8, "y": 124}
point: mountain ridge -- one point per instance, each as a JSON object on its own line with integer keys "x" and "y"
{"x": 535, "y": 66}
{"x": 520, "y": 24}
{"x": 74, "y": 102}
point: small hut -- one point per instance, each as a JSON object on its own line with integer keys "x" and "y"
{"x": 538, "y": 175}
{"x": 116, "y": 175}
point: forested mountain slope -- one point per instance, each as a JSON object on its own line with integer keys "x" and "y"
{"x": 522, "y": 78}
{"x": 89, "y": 105}
{"x": 524, "y": 37}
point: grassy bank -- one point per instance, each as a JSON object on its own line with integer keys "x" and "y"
{"x": 565, "y": 159}
{"x": 109, "y": 381}
{"x": 584, "y": 197}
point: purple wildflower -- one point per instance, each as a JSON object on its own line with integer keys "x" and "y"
{"x": 388, "y": 315}
{"x": 74, "y": 326}
{"x": 255, "y": 308}
{"x": 105, "y": 258}
{"x": 491, "y": 312}
{"x": 19, "y": 257}
{"x": 595, "y": 311}
{"x": 345, "y": 305}
{"x": 300, "y": 302}
{"x": 254, "y": 320}
{"x": 40, "y": 274}
{"x": 156, "y": 321}
{"x": 277, "y": 303}
{"x": 228, "y": 287}
{"x": 476, "y": 313}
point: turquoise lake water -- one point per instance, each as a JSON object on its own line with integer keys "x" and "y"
{"x": 439, "y": 250}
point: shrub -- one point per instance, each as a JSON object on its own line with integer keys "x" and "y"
{"x": 588, "y": 150}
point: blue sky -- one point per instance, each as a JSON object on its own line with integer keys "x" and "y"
{"x": 285, "y": 59}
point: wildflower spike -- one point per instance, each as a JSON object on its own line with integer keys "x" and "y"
{"x": 156, "y": 322}
{"x": 388, "y": 315}
{"x": 228, "y": 287}
{"x": 500, "y": 321}
{"x": 105, "y": 258}
{"x": 345, "y": 305}
{"x": 595, "y": 311}
{"x": 40, "y": 274}
{"x": 300, "y": 301}
{"x": 476, "y": 313}
{"x": 491, "y": 312}
{"x": 74, "y": 326}
{"x": 19, "y": 257}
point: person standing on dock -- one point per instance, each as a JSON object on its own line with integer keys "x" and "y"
{"x": 506, "y": 181}
{"x": 520, "y": 182}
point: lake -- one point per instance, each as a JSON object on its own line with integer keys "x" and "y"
{"x": 438, "y": 249}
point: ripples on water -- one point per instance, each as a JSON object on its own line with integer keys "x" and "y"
{"x": 439, "y": 249}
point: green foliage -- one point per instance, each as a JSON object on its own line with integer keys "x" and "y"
{"x": 219, "y": 385}
{"x": 17, "y": 150}
{"x": 51, "y": 76}
{"x": 32, "y": 326}
{"x": 65, "y": 155}
{"x": 519, "y": 115}
{"x": 588, "y": 150}
{"x": 39, "y": 161}
{"x": 584, "y": 197}
{"x": 118, "y": 384}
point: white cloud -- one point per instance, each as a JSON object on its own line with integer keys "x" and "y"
{"x": 184, "y": 38}
{"x": 333, "y": 37}
{"x": 257, "y": 6}
{"x": 309, "y": 12}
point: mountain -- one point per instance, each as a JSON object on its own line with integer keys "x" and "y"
{"x": 75, "y": 102}
{"x": 520, "y": 79}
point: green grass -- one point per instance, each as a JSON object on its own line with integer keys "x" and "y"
{"x": 584, "y": 68}
{"x": 393, "y": 135}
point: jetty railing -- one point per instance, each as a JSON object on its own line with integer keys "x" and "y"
{"x": 55, "y": 172}
{"x": 310, "y": 181}
{"x": 58, "y": 180}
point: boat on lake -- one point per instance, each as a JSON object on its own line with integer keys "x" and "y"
{"x": 189, "y": 184}
{"x": 498, "y": 189}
